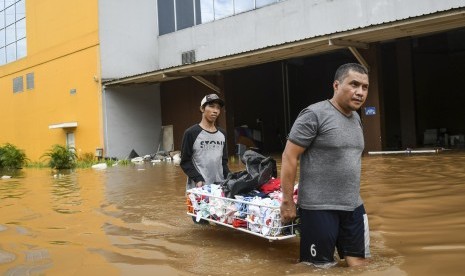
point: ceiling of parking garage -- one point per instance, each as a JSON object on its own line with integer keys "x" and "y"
{"x": 355, "y": 38}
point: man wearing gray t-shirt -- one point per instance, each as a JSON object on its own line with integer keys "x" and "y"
{"x": 327, "y": 137}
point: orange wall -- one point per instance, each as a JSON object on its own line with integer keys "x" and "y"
{"x": 63, "y": 54}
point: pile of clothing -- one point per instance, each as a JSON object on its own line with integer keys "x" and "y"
{"x": 256, "y": 211}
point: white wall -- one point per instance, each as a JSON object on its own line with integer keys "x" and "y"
{"x": 132, "y": 120}
{"x": 129, "y": 42}
{"x": 128, "y": 33}
{"x": 288, "y": 21}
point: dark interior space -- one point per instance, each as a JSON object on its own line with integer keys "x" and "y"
{"x": 439, "y": 73}
{"x": 255, "y": 95}
{"x": 438, "y": 68}
{"x": 311, "y": 79}
{"x": 263, "y": 101}
{"x": 180, "y": 101}
{"x": 391, "y": 98}
{"x": 259, "y": 95}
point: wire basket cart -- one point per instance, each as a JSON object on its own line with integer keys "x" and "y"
{"x": 257, "y": 217}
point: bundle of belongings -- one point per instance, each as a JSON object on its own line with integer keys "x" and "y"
{"x": 248, "y": 199}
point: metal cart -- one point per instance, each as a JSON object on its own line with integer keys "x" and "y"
{"x": 251, "y": 216}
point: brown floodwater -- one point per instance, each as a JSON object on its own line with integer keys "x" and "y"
{"x": 131, "y": 220}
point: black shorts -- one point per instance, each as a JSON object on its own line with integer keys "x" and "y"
{"x": 324, "y": 230}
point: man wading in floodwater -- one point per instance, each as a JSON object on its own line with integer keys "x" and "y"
{"x": 204, "y": 156}
{"x": 327, "y": 137}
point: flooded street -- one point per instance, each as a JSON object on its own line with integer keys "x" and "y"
{"x": 131, "y": 220}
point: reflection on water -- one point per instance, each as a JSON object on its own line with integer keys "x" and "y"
{"x": 66, "y": 192}
{"x": 418, "y": 206}
{"x": 11, "y": 188}
{"x": 132, "y": 221}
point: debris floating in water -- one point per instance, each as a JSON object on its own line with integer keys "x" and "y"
{"x": 408, "y": 151}
{"x": 99, "y": 166}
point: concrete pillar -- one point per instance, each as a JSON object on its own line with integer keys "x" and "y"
{"x": 228, "y": 117}
{"x": 373, "y": 123}
{"x": 406, "y": 93}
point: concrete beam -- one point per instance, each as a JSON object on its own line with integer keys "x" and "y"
{"x": 207, "y": 83}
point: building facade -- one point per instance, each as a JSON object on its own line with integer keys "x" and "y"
{"x": 113, "y": 74}
{"x": 49, "y": 75}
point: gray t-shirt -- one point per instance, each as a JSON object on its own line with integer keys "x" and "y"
{"x": 331, "y": 164}
{"x": 204, "y": 156}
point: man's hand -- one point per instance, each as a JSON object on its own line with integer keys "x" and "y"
{"x": 288, "y": 211}
{"x": 289, "y": 163}
{"x": 199, "y": 184}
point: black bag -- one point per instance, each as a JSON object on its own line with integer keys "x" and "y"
{"x": 237, "y": 183}
{"x": 259, "y": 170}
{"x": 259, "y": 166}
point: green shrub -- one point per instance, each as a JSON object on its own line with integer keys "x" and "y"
{"x": 61, "y": 157}
{"x": 85, "y": 160}
{"x": 86, "y": 157}
{"x": 124, "y": 162}
{"x": 11, "y": 157}
{"x": 36, "y": 164}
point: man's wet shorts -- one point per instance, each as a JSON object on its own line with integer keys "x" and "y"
{"x": 324, "y": 230}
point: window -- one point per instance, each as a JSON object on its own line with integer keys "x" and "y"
{"x": 30, "y": 81}
{"x": 223, "y": 8}
{"x": 203, "y": 11}
{"x": 174, "y": 15}
{"x": 2, "y": 55}
{"x": 18, "y": 84}
{"x": 184, "y": 14}
{"x": 20, "y": 10}
{"x": 10, "y": 53}
{"x": 9, "y": 2}
{"x": 2, "y": 38}
{"x": 13, "y": 43}
{"x": 243, "y": 6}
{"x": 21, "y": 29}
{"x": 10, "y": 34}
{"x": 21, "y": 48}
{"x": 262, "y": 3}
{"x": 70, "y": 141}
{"x": 166, "y": 17}
{"x": 10, "y": 15}
{"x": 2, "y": 17}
